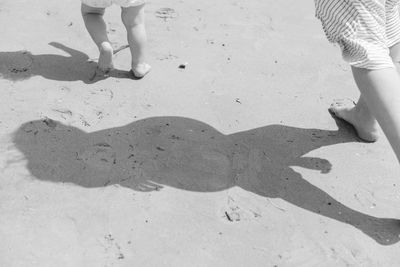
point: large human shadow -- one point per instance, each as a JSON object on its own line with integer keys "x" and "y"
{"x": 190, "y": 155}
{"x": 21, "y": 65}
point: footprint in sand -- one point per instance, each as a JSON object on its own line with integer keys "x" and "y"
{"x": 63, "y": 113}
{"x": 166, "y": 13}
{"x": 99, "y": 94}
{"x": 237, "y": 210}
{"x": 233, "y": 211}
{"x": 112, "y": 248}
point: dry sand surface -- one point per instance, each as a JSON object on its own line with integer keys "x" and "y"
{"x": 231, "y": 161}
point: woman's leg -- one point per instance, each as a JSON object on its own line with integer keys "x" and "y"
{"x": 359, "y": 115}
{"x": 380, "y": 89}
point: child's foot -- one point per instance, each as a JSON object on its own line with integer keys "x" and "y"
{"x": 140, "y": 70}
{"x": 346, "y": 109}
{"x": 105, "y": 59}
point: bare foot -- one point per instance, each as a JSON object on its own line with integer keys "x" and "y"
{"x": 365, "y": 126}
{"x": 140, "y": 70}
{"x": 105, "y": 59}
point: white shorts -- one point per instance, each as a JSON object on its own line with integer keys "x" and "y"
{"x": 107, "y": 3}
{"x": 364, "y": 29}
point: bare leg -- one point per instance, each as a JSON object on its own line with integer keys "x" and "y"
{"x": 381, "y": 91}
{"x": 133, "y": 19}
{"x": 359, "y": 114}
{"x": 94, "y": 22}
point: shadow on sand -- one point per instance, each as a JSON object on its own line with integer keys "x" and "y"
{"x": 190, "y": 155}
{"x": 21, "y": 65}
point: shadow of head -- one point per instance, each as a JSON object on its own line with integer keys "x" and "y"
{"x": 190, "y": 155}
{"x": 22, "y": 65}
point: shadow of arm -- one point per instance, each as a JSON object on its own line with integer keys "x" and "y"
{"x": 72, "y": 52}
{"x": 322, "y": 165}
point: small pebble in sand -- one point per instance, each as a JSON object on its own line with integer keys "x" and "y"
{"x": 183, "y": 65}
{"x": 166, "y": 13}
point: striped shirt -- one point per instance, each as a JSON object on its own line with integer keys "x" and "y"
{"x": 364, "y": 29}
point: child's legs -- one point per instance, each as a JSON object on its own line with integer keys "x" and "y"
{"x": 94, "y": 22}
{"x": 381, "y": 91}
{"x": 133, "y": 19}
{"x": 96, "y": 26}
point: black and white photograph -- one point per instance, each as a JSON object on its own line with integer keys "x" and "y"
{"x": 214, "y": 133}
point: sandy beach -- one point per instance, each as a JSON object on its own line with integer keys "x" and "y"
{"x": 233, "y": 160}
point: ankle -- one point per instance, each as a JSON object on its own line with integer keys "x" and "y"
{"x": 365, "y": 117}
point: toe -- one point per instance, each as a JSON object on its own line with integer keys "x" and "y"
{"x": 340, "y": 107}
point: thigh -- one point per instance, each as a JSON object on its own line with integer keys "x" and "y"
{"x": 94, "y": 6}
{"x": 129, "y": 3}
